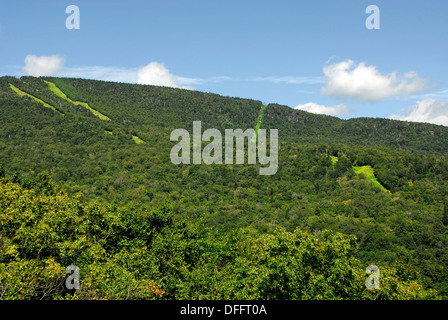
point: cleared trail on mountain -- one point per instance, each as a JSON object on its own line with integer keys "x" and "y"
{"x": 25, "y": 94}
{"x": 62, "y": 95}
{"x": 259, "y": 122}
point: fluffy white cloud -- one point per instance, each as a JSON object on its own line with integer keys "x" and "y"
{"x": 366, "y": 84}
{"x": 43, "y": 65}
{"x": 157, "y": 74}
{"x": 429, "y": 110}
{"x": 337, "y": 110}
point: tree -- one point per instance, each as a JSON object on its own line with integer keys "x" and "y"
{"x": 445, "y": 214}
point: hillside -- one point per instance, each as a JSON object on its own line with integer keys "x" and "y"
{"x": 168, "y": 108}
{"x": 298, "y": 125}
{"x": 109, "y": 143}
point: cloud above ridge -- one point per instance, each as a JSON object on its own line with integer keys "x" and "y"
{"x": 429, "y": 111}
{"x": 155, "y": 73}
{"x": 366, "y": 84}
{"x": 43, "y": 65}
{"x": 312, "y": 107}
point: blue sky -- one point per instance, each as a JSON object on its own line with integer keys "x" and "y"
{"x": 317, "y": 55}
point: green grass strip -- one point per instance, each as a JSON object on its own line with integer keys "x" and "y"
{"x": 369, "y": 174}
{"x": 259, "y": 122}
{"x": 62, "y": 95}
{"x": 25, "y": 94}
{"x": 137, "y": 140}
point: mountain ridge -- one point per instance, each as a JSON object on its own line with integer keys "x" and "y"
{"x": 294, "y": 125}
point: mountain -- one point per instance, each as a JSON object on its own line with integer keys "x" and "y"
{"x": 302, "y": 126}
{"x": 146, "y": 108}
{"x": 107, "y": 145}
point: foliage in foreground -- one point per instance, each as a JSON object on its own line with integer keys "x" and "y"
{"x": 139, "y": 254}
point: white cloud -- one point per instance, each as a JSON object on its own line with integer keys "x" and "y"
{"x": 157, "y": 74}
{"x": 366, "y": 84}
{"x": 429, "y": 110}
{"x": 337, "y": 110}
{"x": 43, "y": 65}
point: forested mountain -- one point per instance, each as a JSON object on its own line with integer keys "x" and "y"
{"x": 86, "y": 179}
{"x": 298, "y": 125}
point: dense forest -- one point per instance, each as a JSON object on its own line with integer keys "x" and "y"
{"x": 87, "y": 180}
